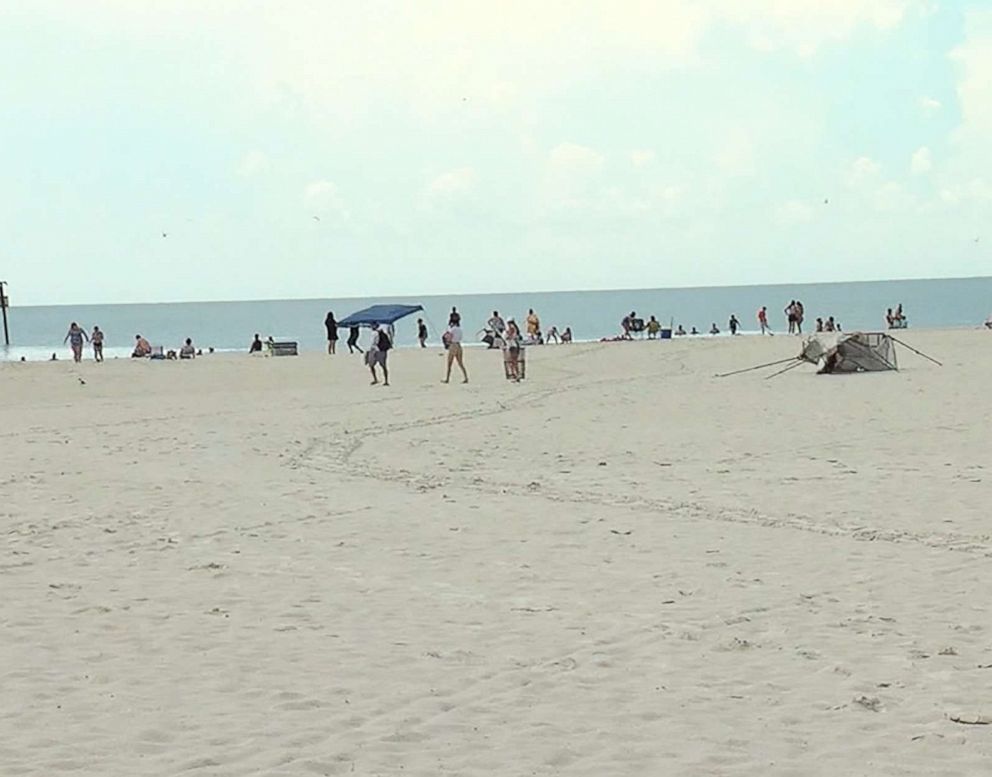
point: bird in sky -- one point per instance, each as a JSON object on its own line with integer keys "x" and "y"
{"x": 316, "y": 218}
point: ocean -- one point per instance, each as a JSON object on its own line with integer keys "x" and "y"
{"x": 37, "y": 332}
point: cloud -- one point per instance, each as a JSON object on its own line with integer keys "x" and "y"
{"x": 921, "y": 161}
{"x": 253, "y": 163}
{"x": 573, "y": 158}
{"x": 794, "y": 212}
{"x": 864, "y": 169}
{"x": 452, "y": 183}
{"x": 805, "y": 26}
{"x": 736, "y": 155}
{"x": 930, "y": 106}
{"x": 641, "y": 157}
{"x": 322, "y": 198}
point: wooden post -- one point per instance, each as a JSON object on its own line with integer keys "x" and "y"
{"x": 3, "y": 309}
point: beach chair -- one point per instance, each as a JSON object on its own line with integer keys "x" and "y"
{"x": 282, "y": 346}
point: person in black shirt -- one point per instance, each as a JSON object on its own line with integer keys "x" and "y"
{"x": 332, "y": 333}
{"x": 353, "y": 340}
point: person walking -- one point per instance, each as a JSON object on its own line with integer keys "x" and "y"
{"x": 422, "y": 333}
{"x": 97, "y": 340}
{"x": 453, "y": 337}
{"x": 353, "y": 340}
{"x": 734, "y": 324}
{"x": 378, "y": 351}
{"x": 763, "y": 321}
{"x": 75, "y": 337}
{"x": 332, "y": 333}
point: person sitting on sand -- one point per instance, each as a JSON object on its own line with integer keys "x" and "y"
{"x": 714, "y": 330}
{"x": 566, "y": 336}
{"x": 988, "y": 322}
{"x": 142, "y": 348}
{"x": 830, "y": 325}
{"x": 653, "y": 328}
{"x": 680, "y": 331}
{"x": 256, "y": 345}
{"x": 819, "y": 325}
{"x": 188, "y": 351}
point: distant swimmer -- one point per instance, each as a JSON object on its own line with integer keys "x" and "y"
{"x": 714, "y": 330}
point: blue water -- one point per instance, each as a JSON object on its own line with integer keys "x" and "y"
{"x": 37, "y": 332}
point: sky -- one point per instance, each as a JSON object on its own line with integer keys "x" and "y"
{"x": 237, "y": 149}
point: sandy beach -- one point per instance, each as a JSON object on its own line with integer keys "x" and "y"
{"x": 621, "y": 566}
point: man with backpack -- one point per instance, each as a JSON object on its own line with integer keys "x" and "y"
{"x": 378, "y": 350}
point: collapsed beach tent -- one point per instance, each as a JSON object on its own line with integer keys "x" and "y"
{"x": 379, "y": 314}
{"x": 856, "y": 352}
{"x": 843, "y": 353}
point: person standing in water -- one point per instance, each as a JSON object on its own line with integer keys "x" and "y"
{"x": 97, "y": 340}
{"x": 332, "y": 333}
{"x": 75, "y": 337}
{"x": 353, "y": 340}
{"x": 455, "y": 352}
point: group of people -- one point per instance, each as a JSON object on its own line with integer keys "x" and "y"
{"x": 896, "y": 319}
{"x": 76, "y": 337}
{"x": 331, "y": 325}
{"x": 495, "y": 332}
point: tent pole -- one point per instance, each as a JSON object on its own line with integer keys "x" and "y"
{"x": 758, "y": 367}
{"x": 918, "y": 353}
{"x": 781, "y": 372}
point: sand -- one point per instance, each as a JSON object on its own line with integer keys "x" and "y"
{"x": 622, "y": 566}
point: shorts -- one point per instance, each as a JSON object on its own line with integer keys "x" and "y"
{"x": 455, "y": 349}
{"x": 376, "y": 358}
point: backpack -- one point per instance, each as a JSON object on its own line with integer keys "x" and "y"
{"x": 383, "y": 343}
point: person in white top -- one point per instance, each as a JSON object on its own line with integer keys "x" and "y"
{"x": 453, "y": 337}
